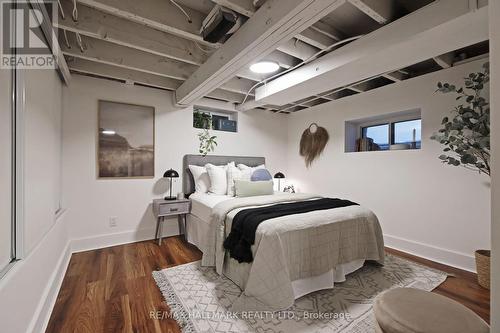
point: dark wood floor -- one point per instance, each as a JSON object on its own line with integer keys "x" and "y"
{"x": 112, "y": 289}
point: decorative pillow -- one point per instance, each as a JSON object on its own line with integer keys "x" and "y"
{"x": 261, "y": 175}
{"x": 245, "y": 188}
{"x": 248, "y": 171}
{"x": 201, "y": 178}
{"x": 233, "y": 173}
{"x": 218, "y": 178}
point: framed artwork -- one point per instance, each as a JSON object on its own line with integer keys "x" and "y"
{"x": 125, "y": 145}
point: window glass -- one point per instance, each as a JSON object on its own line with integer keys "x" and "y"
{"x": 379, "y": 134}
{"x": 407, "y": 132}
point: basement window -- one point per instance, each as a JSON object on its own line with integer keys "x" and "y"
{"x": 218, "y": 120}
{"x": 397, "y": 131}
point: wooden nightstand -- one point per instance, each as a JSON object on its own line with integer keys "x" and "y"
{"x": 165, "y": 208}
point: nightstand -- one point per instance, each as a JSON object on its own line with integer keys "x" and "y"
{"x": 166, "y": 208}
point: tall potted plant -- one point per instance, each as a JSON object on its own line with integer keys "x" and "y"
{"x": 466, "y": 140}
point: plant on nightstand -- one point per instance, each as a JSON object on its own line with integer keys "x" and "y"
{"x": 466, "y": 140}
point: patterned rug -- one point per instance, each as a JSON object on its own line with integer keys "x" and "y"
{"x": 200, "y": 300}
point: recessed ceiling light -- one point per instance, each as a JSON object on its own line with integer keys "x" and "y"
{"x": 108, "y": 132}
{"x": 264, "y": 67}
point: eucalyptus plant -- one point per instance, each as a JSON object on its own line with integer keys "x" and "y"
{"x": 466, "y": 134}
{"x": 207, "y": 142}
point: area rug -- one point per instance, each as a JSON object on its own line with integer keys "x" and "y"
{"x": 200, "y": 300}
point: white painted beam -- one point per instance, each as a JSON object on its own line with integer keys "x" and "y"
{"x": 125, "y": 74}
{"x": 438, "y": 28}
{"x": 50, "y": 35}
{"x": 298, "y": 49}
{"x": 158, "y": 14}
{"x": 445, "y": 60}
{"x": 327, "y": 30}
{"x": 226, "y": 95}
{"x": 272, "y": 24}
{"x": 381, "y": 11}
{"x": 113, "y": 54}
{"x": 395, "y": 76}
{"x": 284, "y": 60}
{"x": 97, "y": 24}
{"x": 313, "y": 37}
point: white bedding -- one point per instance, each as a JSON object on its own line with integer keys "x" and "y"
{"x": 202, "y": 204}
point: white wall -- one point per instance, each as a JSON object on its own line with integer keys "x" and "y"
{"x": 94, "y": 201}
{"x": 427, "y": 208}
{"x": 29, "y": 289}
{"x": 494, "y": 7}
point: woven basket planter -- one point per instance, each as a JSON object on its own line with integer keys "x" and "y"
{"x": 483, "y": 267}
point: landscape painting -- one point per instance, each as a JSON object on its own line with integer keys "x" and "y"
{"x": 125, "y": 140}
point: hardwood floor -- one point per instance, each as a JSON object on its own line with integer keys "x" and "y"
{"x": 112, "y": 289}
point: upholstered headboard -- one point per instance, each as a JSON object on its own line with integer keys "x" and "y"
{"x": 187, "y": 177}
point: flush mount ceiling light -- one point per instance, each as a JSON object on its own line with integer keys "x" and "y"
{"x": 264, "y": 67}
{"x": 108, "y": 132}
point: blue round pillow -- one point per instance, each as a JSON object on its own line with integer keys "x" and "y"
{"x": 260, "y": 175}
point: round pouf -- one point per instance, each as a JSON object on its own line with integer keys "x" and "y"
{"x": 405, "y": 310}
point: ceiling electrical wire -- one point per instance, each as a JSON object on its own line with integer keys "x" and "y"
{"x": 308, "y": 60}
{"x": 66, "y": 41}
{"x": 75, "y": 12}
{"x": 181, "y": 9}
{"x": 61, "y": 9}
{"x": 79, "y": 42}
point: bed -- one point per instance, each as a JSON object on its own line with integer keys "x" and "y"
{"x": 292, "y": 255}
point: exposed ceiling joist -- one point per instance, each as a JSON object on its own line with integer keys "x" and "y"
{"x": 272, "y": 24}
{"x": 97, "y": 24}
{"x": 395, "y": 76}
{"x": 113, "y": 54}
{"x": 445, "y": 60}
{"x": 327, "y": 30}
{"x": 438, "y": 28}
{"x": 298, "y": 49}
{"x": 284, "y": 60}
{"x": 124, "y": 74}
{"x": 51, "y": 37}
{"x": 129, "y": 75}
{"x": 314, "y": 37}
{"x": 381, "y": 11}
{"x": 158, "y": 14}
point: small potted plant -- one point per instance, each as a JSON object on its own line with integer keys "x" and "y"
{"x": 466, "y": 140}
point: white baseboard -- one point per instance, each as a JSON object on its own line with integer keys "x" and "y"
{"x": 434, "y": 253}
{"x": 50, "y": 295}
{"x": 112, "y": 239}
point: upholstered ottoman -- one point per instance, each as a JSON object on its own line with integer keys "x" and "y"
{"x": 408, "y": 310}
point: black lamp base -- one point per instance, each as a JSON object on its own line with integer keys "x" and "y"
{"x": 170, "y": 198}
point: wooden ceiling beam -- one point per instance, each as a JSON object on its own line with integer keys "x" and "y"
{"x": 440, "y": 27}
{"x": 120, "y": 73}
{"x": 97, "y": 24}
{"x": 298, "y": 49}
{"x": 113, "y": 54}
{"x": 381, "y": 11}
{"x": 445, "y": 60}
{"x": 319, "y": 38}
{"x": 274, "y": 23}
{"x": 158, "y": 14}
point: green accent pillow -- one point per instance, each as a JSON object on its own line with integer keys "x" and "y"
{"x": 245, "y": 188}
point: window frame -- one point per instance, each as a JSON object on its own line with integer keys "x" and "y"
{"x": 390, "y": 121}
{"x": 17, "y": 107}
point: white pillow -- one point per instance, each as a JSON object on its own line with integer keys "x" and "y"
{"x": 201, "y": 178}
{"x": 248, "y": 171}
{"x": 233, "y": 173}
{"x": 218, "y": 178}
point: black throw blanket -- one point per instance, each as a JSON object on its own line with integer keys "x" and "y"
{"x": 246, "y": 221}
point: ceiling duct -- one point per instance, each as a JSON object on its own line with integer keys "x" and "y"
{"x": 220, "y": 24}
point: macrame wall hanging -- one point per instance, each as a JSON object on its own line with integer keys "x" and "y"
{"x": 313, "y": 142}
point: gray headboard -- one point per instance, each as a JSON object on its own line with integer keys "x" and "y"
{"x": 187, "y": 177}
